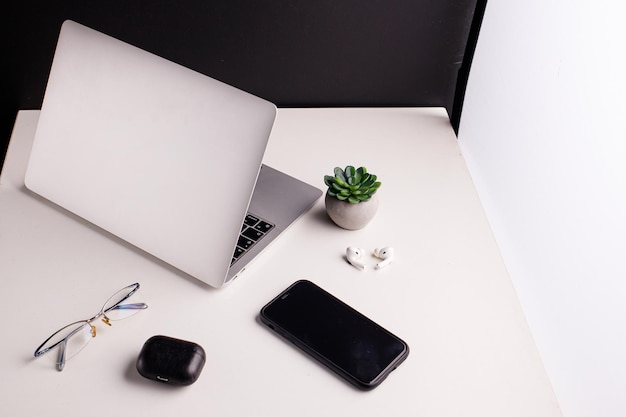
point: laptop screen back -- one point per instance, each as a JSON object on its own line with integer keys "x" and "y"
{"x": 157, "y": 154}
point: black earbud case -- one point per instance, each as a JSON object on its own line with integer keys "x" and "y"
{"x": 171, "y": 361}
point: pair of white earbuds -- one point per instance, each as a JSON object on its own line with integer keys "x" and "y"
{"x": 354, "y": 255}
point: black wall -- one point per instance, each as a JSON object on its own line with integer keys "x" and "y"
{"x": 292, "y": 52}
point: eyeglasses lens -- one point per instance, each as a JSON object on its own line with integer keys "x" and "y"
{"x": 79, "y": 340}
{"x": 123, "y": 304}
{"x": 75, "y": 336}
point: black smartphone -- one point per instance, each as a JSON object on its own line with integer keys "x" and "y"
{"x": 334, "y": 333}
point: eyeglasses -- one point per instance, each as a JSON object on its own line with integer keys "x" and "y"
{"x": 72, "y": 338}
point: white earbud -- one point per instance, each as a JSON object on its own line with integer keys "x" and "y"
{"x": 353, "y": 255}
{"x": 386, "y": 254}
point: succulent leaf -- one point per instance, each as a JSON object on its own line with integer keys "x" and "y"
{"x": 340, "y": 175}
{"x": 358, "y": 175}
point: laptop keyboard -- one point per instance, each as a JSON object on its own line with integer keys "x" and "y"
{"x": 254, "y": 229}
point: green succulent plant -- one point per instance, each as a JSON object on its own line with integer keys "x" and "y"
{"x": 351, "y": 185}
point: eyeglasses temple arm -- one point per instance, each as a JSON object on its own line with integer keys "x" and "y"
{"x": 61, "y": 359}
{"x": 134, "y": 306}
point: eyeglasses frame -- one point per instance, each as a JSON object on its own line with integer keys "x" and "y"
{"x": 102, "y": 313}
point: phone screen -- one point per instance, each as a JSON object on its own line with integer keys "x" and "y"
{"x": 334, "y": 333}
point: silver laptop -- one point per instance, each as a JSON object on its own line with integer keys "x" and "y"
{"x": 161, "y": 156}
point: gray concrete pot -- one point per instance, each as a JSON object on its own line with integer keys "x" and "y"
{"x": 351, "y": 216}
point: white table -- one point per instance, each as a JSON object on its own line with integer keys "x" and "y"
{"x": 447, "y": 293}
